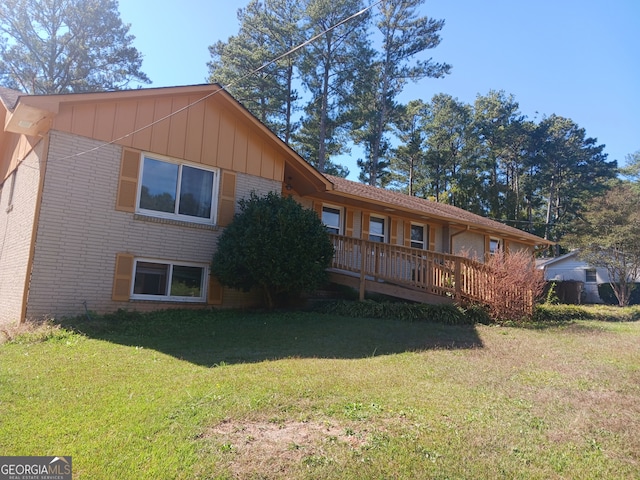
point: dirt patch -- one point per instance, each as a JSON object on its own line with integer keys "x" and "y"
{"x": 263, "y": 449}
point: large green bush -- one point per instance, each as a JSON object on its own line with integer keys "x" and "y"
{"x": 276, "y": 244}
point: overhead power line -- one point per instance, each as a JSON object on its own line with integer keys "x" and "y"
{"x": 230, "y": 84}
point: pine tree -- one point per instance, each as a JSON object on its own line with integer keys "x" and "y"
{"x": 62, "y": 46}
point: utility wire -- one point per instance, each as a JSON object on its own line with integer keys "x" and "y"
{"x": 225, "y": 87}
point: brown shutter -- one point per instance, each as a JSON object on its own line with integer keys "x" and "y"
{"x": 317, "y": 207}
{"x": 227, "y": 207}
{"x": 128, "y": 182}
{"x": 393, "y": 231}
{"x": 366, "y": 217}
{"x": 432, "y": 238}
{"x": 122, "y": 278}
{"x": 349, "y": 223}
{"x": 214, "y": 293}
{"x": 407, "y": 233}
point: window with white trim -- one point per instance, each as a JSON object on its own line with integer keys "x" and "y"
{"x": 331, "y": 217}
{"x": 169, "y": 281}
{"x": 591, "y": 275}
{"x": 174, "y": 190}
{"x": 419, "y": 236}
{"x": 377, "y": 230}
{"x": 494, "y": 246}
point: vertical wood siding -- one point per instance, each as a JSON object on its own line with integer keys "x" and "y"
{"x": 206, "y": 133}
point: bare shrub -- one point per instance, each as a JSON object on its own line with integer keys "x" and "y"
{"x": 514, "y": 285}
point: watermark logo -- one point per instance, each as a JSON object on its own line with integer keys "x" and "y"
{"x": 35, "y": 468}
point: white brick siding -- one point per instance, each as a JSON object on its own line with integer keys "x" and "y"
{"x": 80, "y": 232}
{"x": 16, "y": 229}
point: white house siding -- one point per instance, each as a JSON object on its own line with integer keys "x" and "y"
{"x": 16, "y": 230}
{"x": 573, "y": 269}
{"x": 81, "y": 232}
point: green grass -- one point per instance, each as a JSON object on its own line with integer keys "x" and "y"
{"x": 192, "y": 394}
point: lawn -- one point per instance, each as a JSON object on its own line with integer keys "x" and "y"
{"x": 193, "y": 394}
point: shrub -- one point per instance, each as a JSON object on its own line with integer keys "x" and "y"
{"x": 609, "y": 297}
{"x": 275, "y": 244}
{"x": 445, "y": 314}
{"x": 515, "y": 285}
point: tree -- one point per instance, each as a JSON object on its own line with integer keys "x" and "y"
{"x": 632, "y": 169}
{"x": 245, "y": 62}
{"x": 572, "y": 169}
{"x": 608, "y": 237}
{"x": 407, "y": 160}
{"x": 276, "y": 244}
{"x": 454, "y": 175}
{"x": 329, "y": 71}
{"x": 404, "y": 36}
{"x": 61, "y": 46}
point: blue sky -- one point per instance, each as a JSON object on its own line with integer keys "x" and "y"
{"x": 575, "y": 58}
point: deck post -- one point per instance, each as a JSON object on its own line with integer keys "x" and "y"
{"x": 457, "y": 277}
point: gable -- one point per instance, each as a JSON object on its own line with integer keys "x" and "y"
{"x": 188, "y": 126}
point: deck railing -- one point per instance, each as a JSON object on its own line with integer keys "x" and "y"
{"x": 460, "y": 278}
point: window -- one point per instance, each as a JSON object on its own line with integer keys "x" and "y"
{"x": 331, "y": 219}
{"x": 377, "y": 229}
{"x": 154, "y": 280}
{"x": 591, "y": 275}
{"x": 419, "y": 236}
{"x": 177, "y": 191}
{"x": 494, "y": 245}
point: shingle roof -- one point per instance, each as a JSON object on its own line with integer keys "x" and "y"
{"x": 426, "y": 207}
{"x": 9, "y": 97}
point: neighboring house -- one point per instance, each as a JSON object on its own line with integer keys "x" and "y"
{"x": 571, "y": 269}
{"x": 116, "y": 200}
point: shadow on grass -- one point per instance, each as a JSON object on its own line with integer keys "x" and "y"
{"x": 210, "y": 337}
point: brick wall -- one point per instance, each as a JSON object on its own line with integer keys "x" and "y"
{"x": 80, "y": 233}
{"x": 18, "y": 197}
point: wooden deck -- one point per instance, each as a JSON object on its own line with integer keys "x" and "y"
{"x": 410, "y": 273}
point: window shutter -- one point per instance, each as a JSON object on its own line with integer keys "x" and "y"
{"x": 122, "y": 278}
{"x": 227, "y": 207}
{"x": 366, "y": 217}
{"x": 349, "y": 223}
{"x": 432, "y": 238}
{"x": 214, "y": 293}
{"x": 128, "y": 182}
{"x": 407, "y": 233}
{"x": 317, "y": 207}
{"x": 393, "y": 234}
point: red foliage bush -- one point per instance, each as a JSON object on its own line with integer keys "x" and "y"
{"x": 514, "y": 285}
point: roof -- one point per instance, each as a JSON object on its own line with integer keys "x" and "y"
{"x": 9, "y": 97}
{"x": 542, "y": 263}
{"x": 428, "y": 208}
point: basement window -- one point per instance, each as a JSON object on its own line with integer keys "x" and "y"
{"x": 169, "y": 281}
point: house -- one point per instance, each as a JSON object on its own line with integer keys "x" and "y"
{"x": 116, "y": 200}
{"x": 580, "y": 279}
